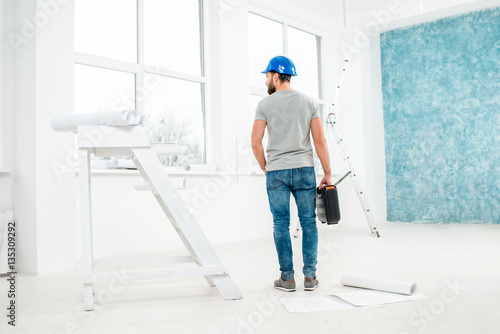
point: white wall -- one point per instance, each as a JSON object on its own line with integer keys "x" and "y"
{"x": 2, "y": 79}
{"x": 54, "y": 96}
{"x": 6, "y": 110}
{"x": 128, "y": 222}
{"x": 43, "y": 203}
{"x": 24, "y": 171}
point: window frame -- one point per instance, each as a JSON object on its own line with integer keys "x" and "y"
{"x": 286, "y": 23}
{"x": 139, "y": 68}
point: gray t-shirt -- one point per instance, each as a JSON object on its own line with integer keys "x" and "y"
{"x": 288, "y": 114}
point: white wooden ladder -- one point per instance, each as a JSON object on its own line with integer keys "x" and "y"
{"x": 132, "y": 142}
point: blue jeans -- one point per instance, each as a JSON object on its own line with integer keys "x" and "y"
{"x": 301, "y": 182}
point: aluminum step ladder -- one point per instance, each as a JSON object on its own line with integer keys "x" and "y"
{"x": 330, "y": 123}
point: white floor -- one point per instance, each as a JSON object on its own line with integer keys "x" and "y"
{"x": 457, "y": 266}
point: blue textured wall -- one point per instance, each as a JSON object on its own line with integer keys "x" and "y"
{"x": 441, "y": 93}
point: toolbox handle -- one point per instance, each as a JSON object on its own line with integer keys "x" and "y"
{"x": 341, "y": 179}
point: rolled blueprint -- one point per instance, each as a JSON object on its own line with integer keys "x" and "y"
{"x": 379, "y": 284}
{"x": 167, "y": 149}
{"x": 120, "y": 163}
{"x": 201, "y": 167}
{"x": 113, "y": 164}
{"x": 65, "y": 123}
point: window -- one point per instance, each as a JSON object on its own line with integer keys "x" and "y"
{"x": 148, "y": 56}
{"x": 98, "y": 89}
{"x": 303, "y": 49}
{"x": 269, "y": 38}
{"x": 266, "y": 41}
{"x": 103, "y": 30}
{"x": 172, "y": 124}
{"x": 172, "y": 37}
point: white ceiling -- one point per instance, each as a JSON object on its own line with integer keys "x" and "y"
{"x": 332, "y": 11}
{"x": 324, "y": 13}
{"x": 332, "y": 8}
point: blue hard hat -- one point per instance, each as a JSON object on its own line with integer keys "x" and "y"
{"x": 281, "y": 64}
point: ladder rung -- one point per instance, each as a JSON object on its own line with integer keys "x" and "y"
{"x": 364, "y": 203}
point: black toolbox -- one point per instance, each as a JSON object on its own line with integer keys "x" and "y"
{"x": 327, "y": 203}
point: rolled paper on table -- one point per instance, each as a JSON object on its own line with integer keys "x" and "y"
{"x": 66, "y": 123}
{"x": 120, "y": 163}
{"x": 201, "y": 167}
{"x": 379, "y": 284}
{"x": 167, "y": 149}
{"x": 113, "y": 163}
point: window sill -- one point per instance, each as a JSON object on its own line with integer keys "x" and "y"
{"x": 118, "y": 171}
{"x": 135, "y": 172}
{"x": 121, "y": 171}
{"x": 4, "y": 170}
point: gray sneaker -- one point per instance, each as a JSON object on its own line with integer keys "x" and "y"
{"x": 288, "y": 285}
{"x": 310, "y": 284}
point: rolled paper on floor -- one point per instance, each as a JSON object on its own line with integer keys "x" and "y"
{"x": 167, "y": 149}
{"x": 379, "y": 284}
{"x": 67, "y": 123}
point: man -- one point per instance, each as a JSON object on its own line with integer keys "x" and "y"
{"x": 290, "y": 116}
